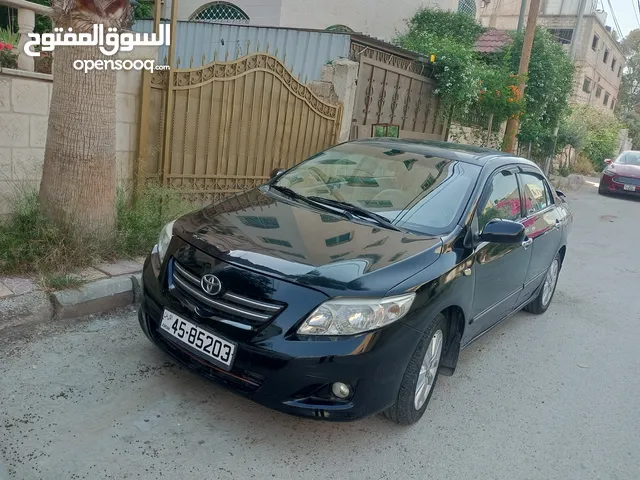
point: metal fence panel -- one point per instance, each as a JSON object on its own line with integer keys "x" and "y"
{"x": 304, "y": 52}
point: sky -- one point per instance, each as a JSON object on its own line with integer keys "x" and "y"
{"x": 626, "y": 12}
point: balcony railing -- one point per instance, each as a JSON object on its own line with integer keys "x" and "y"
{"x": 26, "y": 23}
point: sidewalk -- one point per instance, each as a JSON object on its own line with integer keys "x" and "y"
{"x": 105, "y": 286}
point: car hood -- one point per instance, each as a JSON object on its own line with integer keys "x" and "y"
{"x": 293, "y": 241}
{"x": 626, "y": 170}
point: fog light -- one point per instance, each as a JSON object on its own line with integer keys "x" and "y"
{"x": 341, "y": 390}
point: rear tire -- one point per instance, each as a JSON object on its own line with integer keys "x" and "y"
{"x": 404, "y": 411}
{"x": 541, "y": 303}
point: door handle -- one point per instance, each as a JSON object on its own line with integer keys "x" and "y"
{"x": 527, "y": 243}
{"x": 558, "y": 224}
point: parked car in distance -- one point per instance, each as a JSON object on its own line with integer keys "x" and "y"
{"x": 621, "y": 175}
{"x": 346, "y": 285}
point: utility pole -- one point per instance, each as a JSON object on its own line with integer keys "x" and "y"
{"x": 527, "y": 44}
{"x": 523, "y": 10}
{"x": 576, "y": 31}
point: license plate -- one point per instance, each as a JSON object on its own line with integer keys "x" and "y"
{"x": 221, "y": 351}
{"x": 630, "y": 188}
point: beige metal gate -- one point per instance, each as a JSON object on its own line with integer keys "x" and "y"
{"x": 397, "y": 97}
{"x": 222, "y": 128}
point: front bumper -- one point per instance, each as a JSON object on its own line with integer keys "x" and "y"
{"x": 287, "y": 373}
{"x": 610, "y": 185}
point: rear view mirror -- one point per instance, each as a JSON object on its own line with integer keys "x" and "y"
{"x": 560, "y": 194}
{"x": 608, "y": 161}
{"x": 276, "y": 172}
{"x": 502, "y": 231}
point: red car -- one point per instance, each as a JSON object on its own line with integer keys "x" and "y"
{"x": 622, "y": 175}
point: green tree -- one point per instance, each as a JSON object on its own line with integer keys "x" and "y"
{"x": 450, "y": 37}
{"x": 549, "y": 84}
{"x": 592, "y": 132}
{"x": 629, "y": 94}
{"x": 487, "y": 83}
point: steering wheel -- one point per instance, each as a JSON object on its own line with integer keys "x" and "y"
{"x": 320, "y": 175}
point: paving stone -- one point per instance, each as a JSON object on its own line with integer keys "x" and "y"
{"x": 122, "y": 267}
{"x": 4, "y": 291}
{"x": 19, "y": 286}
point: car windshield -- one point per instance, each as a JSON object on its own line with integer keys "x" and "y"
{"x": 415, "y": 191}
{"x": 629, "y": 158}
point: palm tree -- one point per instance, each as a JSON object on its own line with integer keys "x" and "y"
{"x": 78, "y": 187}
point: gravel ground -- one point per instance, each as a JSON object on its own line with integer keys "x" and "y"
{"x": 540, "y": 397}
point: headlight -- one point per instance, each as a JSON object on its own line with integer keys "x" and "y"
{"x": 347, "y": 316}
{"x": 163, "y": 240}
{"x": 610, "y": 172}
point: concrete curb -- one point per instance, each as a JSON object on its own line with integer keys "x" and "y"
{"x": 572, "y": 182}
{"x": 91, "y": 298}
{"x": 94, "y": 297}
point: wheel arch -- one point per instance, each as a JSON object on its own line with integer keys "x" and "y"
{"x": 455, "y": 316}
{"x": 562, "y": 252}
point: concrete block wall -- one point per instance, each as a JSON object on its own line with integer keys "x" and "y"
{"x": 24, "y": 114}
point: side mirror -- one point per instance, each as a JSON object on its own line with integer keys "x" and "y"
{"x": 276, "y": 172}
{"x": 502, "y": 231}
{"x": 561, "y": 194}
{"x": 608, "y": 161}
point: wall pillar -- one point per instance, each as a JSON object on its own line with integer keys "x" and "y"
{"x": 343, "y": 74}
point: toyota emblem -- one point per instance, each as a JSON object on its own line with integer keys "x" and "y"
{"x": 211, "y": 284}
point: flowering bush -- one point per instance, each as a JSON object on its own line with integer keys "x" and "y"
{"x": 8, "y": 58}
{"x": 499, "y": 94}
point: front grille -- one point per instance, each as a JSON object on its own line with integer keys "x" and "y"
{"x": 627, "y": 180}
{"x": 227, "y": 304}
{"x": 238, "y": 379}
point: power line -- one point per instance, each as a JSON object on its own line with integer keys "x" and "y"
{"x": 636, "y": 5}
{"x": 615, "y": 20}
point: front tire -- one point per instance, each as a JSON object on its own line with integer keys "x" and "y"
{"x": 421, "y": 374}
{"x": 541, "y": 303}
{"x": 601, "y": 190}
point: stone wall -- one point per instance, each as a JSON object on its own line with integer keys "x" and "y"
{"x": 24, "y": 113}
{"x": 476, "y": 136}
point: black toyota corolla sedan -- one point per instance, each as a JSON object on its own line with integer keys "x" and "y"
{"x": 345, "y": 285}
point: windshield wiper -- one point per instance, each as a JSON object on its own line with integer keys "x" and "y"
{"x": 308, "y": 200}
{"x": 361, "y": 212}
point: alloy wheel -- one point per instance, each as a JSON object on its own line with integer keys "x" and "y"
{"x": 550, "y": 282}
{"x": 428, "y": 370}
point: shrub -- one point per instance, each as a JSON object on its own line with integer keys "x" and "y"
{"x": 583, "y": 166}
{"x": 8, "y": 58}
{"x": 44, "y": 63}
{"x": 139, "y": 222}
{"x": 30, "y": 243}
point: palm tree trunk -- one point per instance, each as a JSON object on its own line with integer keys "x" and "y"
{"x": 78, "y": 188}
{"x": 79, "y": 176}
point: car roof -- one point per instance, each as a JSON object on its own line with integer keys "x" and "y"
{"x": 480, "y": 156}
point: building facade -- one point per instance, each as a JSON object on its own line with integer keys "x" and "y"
{"x": 597, "y": 55}
{"x": 377, "y": 18}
